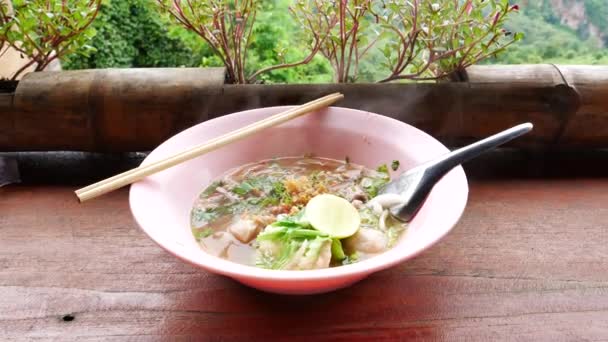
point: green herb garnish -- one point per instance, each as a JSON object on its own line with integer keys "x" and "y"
{"x": 382, "y": 169}
{"x": 201, "y": 234}
{"x": 199, "y": 217}
{"x": 264, "y": 184}
{"x": 395, "y": 165}
{"x": 243, "y": 188}
{"x": 372, "y": 185}
{"x": 277, "y": 195}
{"x": 211, "y": 188}
{"x": 314, "y": 176}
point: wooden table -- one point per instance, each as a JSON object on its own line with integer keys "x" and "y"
{"x": 528, "y": 261}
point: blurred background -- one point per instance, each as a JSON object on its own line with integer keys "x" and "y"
{"x": 130, "y": 33}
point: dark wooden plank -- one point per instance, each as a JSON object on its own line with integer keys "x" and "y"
{"x": 130, "y": 110}
{"x": 528, "y": 261}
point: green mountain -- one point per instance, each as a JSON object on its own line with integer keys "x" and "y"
{"x": 559, "y": 31}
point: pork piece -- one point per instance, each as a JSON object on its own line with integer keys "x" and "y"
{"x": 264, "y": 220}
{"x": 367, "y": 240}
{"x": 218, "y": 243}
{"x": 357, "y": 204}
{"x": 244, "y": 230}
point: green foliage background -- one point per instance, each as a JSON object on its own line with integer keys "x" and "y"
{"x": 131, "y": 33}
{"x": 548, "y": 41}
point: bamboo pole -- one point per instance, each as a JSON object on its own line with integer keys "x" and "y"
{"x": 137, "y": 109}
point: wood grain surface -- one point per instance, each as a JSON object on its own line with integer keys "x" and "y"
{"x": 528, "y": 261}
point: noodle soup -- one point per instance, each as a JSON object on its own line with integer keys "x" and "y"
{"x": 262, "y": 214}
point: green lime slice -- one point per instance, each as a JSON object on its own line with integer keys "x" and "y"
{"x": 333, "y": 215}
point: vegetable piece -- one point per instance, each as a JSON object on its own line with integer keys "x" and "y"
{"x": 312, "y": 254}
{"x": 291, "y": 245}
{"x": 337, "y": 253}
{"x": 333, "y": 215}
{"x": 395, "y": 165}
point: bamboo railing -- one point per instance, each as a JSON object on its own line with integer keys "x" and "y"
{"x": 122, "y": 110}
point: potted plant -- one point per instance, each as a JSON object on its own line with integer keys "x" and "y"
{"x": 43, "y": 31}
{"x": 419, "y": 40}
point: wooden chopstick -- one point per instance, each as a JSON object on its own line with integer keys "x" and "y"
{"x": 131, "y": 176}
{"x": 238, "y": 131}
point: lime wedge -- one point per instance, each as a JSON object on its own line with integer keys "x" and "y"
{"x": 333, "y": 215}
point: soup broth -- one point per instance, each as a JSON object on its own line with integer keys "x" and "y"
{"x": 256, "y": 214}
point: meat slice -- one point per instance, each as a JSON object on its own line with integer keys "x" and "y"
{"x": 367, "y": 240}
{"x": 244, "y": 230}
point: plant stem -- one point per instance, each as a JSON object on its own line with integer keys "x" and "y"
{"x": 22, "y": 69}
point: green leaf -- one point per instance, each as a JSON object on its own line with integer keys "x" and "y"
{"x": 337, "y": 253}
{"x": 387, "y": 52}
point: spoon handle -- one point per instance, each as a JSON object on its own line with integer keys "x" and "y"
{"x": 442, "y": 165}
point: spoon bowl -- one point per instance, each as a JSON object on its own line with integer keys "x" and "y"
{"x": 413, "y": 187}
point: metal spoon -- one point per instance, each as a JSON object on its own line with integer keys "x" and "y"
{"x": 413, "y": 186}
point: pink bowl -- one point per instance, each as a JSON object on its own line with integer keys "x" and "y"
{"x": 161, "y": 203}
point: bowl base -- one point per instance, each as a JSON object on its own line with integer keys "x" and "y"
{"x": 296, "y": 288}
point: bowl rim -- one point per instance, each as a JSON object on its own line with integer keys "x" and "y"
{"x": 363, "y": 268}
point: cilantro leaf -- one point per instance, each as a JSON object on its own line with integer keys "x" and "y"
{"x": 199, "y": 217}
